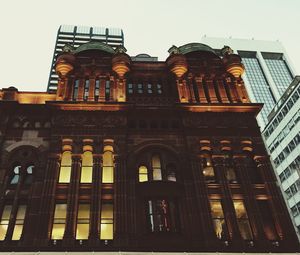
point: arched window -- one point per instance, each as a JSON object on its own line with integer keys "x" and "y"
{"x": 16, "y": 175}
{"x": 171, "y": 173}
{"x": 143, "y": 174}
{"x": 65, "y": 167}
{"x": 87, "y": 167}
{"x": 29, "y": 174}
{"x": 156, "y": 168}
{"x": 108, "y": 165}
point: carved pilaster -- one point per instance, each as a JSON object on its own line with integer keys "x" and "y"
{"x": 229, "y": 211}
{"x": 201, "y": 92}
{"x": 211, "y": 90}
{"x": 91, "y": 96}
{"x": 222, "y": 91}
{"x": 70, "y": 230}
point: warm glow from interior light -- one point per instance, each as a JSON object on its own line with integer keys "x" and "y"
{"x": 143, "y": 174}
{"x": 120, "y": 69}
{"x": 4, "y": 221}
{"x": 19, "y": 222}
{"x": 59, "y": 222}
{"x": 83, "y": 218}
{"x": 87, "y": 167}
{"x": 65, "y": 169}
{"x": 106, "y": 228}
{"x": 108, "y": 169}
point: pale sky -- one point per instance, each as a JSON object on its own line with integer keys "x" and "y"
{"x": 29, "y": 28}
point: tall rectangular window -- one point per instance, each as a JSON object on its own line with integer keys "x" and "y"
{"x": 65, "y": 167}
{"x": 218, "y": 219}
{"x": 19, "y": 222}
{"x": 108, "y": 167}
{"x": 86, "y": 90}
{"x": 4, "y": 221}
{"x": 267, "y": 220}
{"x": 242, "y": 220}
{"x": 107, "y": 222}
{"x": 83, "y": 222}
{"x": 87, "y": 167}
{"x": 59, "y": 221}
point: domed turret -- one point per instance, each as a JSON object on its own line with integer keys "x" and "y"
{"x": 64, "y": 64}
{"x": 232, "y": 62}
{"x": 177, "y": 62}
{"x": 121, "y": 62}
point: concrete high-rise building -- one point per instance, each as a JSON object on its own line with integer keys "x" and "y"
{"x": 282, "y": 137}
{"x": 268, "y": 74}
{"x": 78, "y": 35}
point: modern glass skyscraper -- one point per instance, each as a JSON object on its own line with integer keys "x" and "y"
{"x": 78, "y": 35}
{"x": 282, "y": 138}
{"x": 268, "y": 70}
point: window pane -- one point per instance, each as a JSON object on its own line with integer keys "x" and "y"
{"x": 143, "y": 174}
{"x": 65, "y": 169}
{"x": 157, "y": 174}
{"x": 108, "y": 174}
{"x": 106, "y": 228}
{"x": 156, "y": 161}
{"x": 242, "y": 220}
{"x": 17, "y": 232}
{"x": 83, "y": 220}
{"x": 4, "y": 221}
{"x": 65, "y": 174}
{"x": 59, "y": 221}
{"x": 218, "y": 219}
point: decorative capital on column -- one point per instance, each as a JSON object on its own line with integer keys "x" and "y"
{"x": 121, "y": 62}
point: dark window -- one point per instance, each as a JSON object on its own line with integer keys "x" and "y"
{"x": 86, "y": 90}
{"x": 97, "y": 89}
{"x": 107, "y": 90}
{"x": 75, "y": 92}
{"x": 162, "y": 216}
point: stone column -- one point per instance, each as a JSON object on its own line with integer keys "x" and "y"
{"x": 222, "y": 91}
{"x": 232, "y": 90}
{"x": 102, "y": 90}
{"x": 46, "y": 211}
{"x": 91, "y": 97}
{"x": 250, "y": 200}
{"x": 201, "y": 195}
{"x": 211, "y": 90}
{"x": 72, "y": 203}
{"x": 80, "y": 90}
{"x": 191, "y": 89}
{"x": 229, "y": 211}
{"x": 94, "y": 235}
{"x": 200, "y": 87}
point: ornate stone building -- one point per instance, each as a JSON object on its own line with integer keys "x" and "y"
{"x": 139, "y": 156}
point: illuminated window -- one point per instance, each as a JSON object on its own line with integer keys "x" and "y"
{"x": 156, "y": 167}
{"x": 4, "y": 221}
{"x": 143, "y": 174}
{"x": 218, "y": 219}
{"x": 242, "y": 220}
{"x": 108, "y": 167}
{"x": 159, "y": 88}
{"x": 230, "y": 171}
{"x": 162, "y": 216}
{"x": 83, "y": 222}
{"x": 208, "y": 170}
{"x": 87, "y": 167}
{"x": 16, "y": 175}
{"x": 107, "y": 222}
{"x": 29, "y": 174}
{"x": 267, "y": 220}
{"x": 59, "y": 221}
{"x": 19, "y": 222}
{"x": 65, "y": 167}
